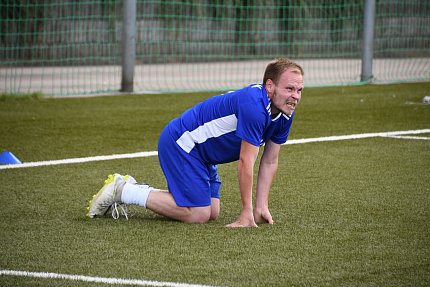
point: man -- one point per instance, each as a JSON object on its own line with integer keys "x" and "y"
{"x": 221, "y": 129}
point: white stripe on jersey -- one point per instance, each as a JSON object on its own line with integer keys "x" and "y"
{"x": 212, "y": 129}
{"x": 287, "y": 117}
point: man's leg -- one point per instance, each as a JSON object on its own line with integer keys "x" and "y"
{"x": 119, "y": 189}
{"x": 164, "y": 204}
{"x": 215, "y": 208}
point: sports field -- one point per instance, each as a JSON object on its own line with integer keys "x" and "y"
{"x": 348, "y": 211}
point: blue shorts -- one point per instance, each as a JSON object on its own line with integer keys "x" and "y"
{"x": 191, "y": 181}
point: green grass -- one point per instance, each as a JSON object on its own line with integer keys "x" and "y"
{"x": 17, "y": 96}
{"x": 348, "y": 213}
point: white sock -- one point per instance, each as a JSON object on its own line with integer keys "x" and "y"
{"x": 136, "y": 194}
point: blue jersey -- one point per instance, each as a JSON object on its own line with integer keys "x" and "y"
{"x": 213, "y": 129}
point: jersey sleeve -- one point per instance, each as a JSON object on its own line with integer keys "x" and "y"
{"x": 250, "y": 122}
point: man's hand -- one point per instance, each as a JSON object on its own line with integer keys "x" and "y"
{"x": 263, "y": 216}
{"x": 246, "y": 219}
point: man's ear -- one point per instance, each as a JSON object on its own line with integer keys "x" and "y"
{"x": 270, "y": 87}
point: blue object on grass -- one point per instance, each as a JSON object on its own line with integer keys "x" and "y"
{"x": 7, "y": 157}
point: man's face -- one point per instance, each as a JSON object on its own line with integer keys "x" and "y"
{"x": 286, "y": 94}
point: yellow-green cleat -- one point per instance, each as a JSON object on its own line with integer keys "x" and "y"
{"x": 103, "y": 199}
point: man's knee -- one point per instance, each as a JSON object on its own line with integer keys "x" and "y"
{"x": 203, "y": 214}
{"x": 199, "y": 215}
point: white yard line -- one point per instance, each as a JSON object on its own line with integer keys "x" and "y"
{"x": 114, "y": 281}
{"x": 154, "y": 153}
{"x": 358, "y": 136}
{"x": 80, "y": 159}
{"x": 409, "y": 137}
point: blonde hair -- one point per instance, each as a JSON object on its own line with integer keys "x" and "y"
{"x": 275, "y": 68}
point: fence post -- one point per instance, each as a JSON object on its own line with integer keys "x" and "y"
{"x": 367, "y": 48}
{"x": 128, "y": 40}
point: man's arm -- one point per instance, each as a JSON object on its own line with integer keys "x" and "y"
{"x": 266, "y": 174}
{"x": 248, "y": 155}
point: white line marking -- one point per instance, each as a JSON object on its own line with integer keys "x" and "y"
{"x": 80, "y": 159}
{"x": 116, "y": 281}
{"x": 358, "y": 136}
{"x": 154, "y": 153}
{"x": 408, "y": 137}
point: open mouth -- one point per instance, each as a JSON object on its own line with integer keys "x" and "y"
{"x": 291, "y": 105}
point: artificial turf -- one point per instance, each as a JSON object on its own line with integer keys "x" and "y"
{"x": 347, "y": 213}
